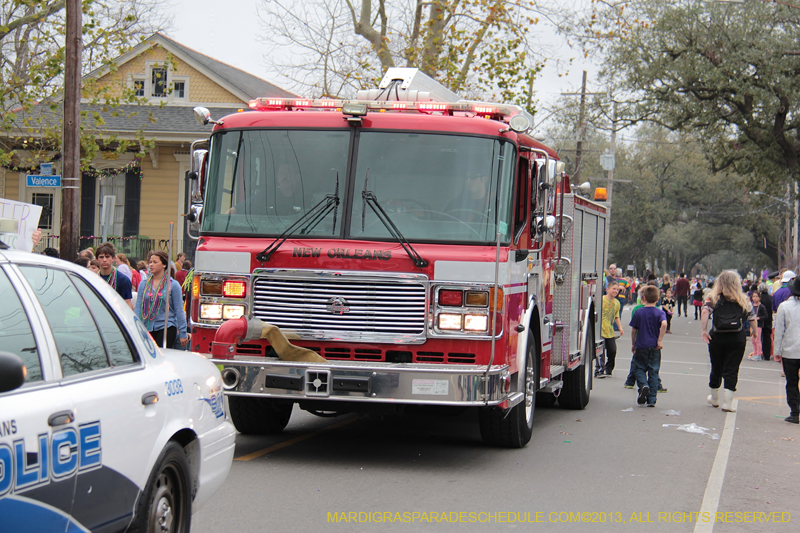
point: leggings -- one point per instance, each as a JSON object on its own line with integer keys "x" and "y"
{"x": 158, "y": 336}
{"x": 757, "y": 343}
{"x": 611, "y": 354}
{"x": 726, "y": 351}
{"x": 669, "y": 320}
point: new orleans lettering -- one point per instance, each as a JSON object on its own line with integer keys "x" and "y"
{"x": 8, "y": 427}
{"x": 347, "y": 253}
{"x": 343, "y": 253}
{"x": 306, "y": 252}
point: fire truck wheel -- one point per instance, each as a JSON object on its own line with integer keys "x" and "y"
{"x": 545, "y": 399}
{"x": 513, "y": 429}
{"x": 578, "y": 383}
{"x": 259, "y": 416}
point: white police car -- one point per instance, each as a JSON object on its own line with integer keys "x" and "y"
{"x": 107, "y": 432}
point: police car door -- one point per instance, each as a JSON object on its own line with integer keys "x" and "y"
{"x": 109, "y": 384}
{"x": 38, "y": 462}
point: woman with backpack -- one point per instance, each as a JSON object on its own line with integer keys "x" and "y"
{"x": 731, "y": 316}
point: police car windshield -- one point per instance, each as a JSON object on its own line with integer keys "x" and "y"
{"x": 434, "y": 187}
{"x": 263, "y": 181}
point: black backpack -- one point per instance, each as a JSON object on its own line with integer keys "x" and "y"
{"x": 728, "y": 317}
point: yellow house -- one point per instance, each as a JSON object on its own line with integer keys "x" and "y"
{"x": 149, "y": 193}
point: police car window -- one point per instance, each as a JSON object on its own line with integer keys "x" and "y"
{"x": 77, "y": 339}
{"x": 15, "y": 330}
{"x": 117, "y": 346}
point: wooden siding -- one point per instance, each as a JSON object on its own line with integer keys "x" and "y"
{"x": 160, "y": 189}
{"x": 11, "y": 186}
{"x": 201, "y": 88}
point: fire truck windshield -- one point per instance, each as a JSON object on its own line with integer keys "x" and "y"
{"x": 263, "y": 181}
{"x": 434, "y": 187}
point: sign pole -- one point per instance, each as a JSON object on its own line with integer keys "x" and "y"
{"x": 168, "y": 284}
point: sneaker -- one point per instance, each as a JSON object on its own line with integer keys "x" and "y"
{"x": 651, "y": 405}
{"x": 600, "y": 375}
{"x": 643, "y": 395}
{"x": 607, "y": 374}
{"x": 793, "y": 419}
{"x": 669, "y": 333}
{"x": 628, "y": 385}
{"x": 662, "y": 389}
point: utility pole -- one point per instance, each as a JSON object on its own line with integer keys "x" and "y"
{"x": 608, "y": 163}
{"x": 71, "y": 143}
{"x": 581, "y": 127}
{"x": 581, "y": 131}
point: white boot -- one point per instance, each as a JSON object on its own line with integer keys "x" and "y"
{"x": 727, "y": 401}
{"x": 713, "y": 398}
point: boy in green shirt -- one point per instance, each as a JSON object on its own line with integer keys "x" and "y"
{"x": 608, "y": 318}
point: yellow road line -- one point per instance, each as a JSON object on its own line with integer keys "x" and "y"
{"x": 753, "y": 398}
{"x": 295, "y": 440}
{"x": 757, "y": 399}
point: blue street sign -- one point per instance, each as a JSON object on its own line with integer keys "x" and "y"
{"x": 44, "y": 181}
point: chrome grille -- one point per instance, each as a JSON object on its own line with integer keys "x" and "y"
{"x": 332, "y": 307}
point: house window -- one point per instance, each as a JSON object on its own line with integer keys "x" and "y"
{"x": 178, "y": 90}
{"x": 158, "y": 82}
{"x": 44, "y": 199}
{"x": 113, "y": 185}
{"x": 138, "y": 88}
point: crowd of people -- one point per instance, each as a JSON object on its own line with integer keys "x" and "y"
{"x": 729, "y": 310}
{"x": 144, "y": 288}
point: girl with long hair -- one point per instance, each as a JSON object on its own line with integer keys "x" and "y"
{"x": 151, "y": 303}
{"x": 731, "y": 315}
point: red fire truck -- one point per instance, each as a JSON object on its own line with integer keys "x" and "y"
{"x": 428, "y": 248}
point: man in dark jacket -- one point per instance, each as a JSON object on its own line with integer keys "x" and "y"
{"x": 682, "y": 287}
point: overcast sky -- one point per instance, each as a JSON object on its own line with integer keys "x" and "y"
{"x": 227, "y": 31}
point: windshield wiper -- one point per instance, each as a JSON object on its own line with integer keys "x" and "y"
{"x": 368, "y": 198}
{"x": 311, "y": 219}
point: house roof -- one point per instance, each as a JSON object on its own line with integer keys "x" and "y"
{"x": 240, "y": 83}
{"x": 251, "y": 85}
{"x": 160, "y": 122}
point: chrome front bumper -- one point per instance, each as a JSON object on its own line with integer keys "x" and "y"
{"x": 407, "y": 383}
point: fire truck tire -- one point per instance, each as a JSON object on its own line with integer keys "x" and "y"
{"x": 545, "y": 399}
{"x": 259, "y": 416}
{"x": 578, "y": 382}
{"x": 513, "y": 429}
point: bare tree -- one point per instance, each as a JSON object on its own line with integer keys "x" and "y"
{"x": 32, "y": 51}
{"x": 479, "y": 48}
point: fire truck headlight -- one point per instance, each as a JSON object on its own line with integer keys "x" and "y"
{"x": 476, "y": 323}
{"x": 232, "y": 311}
{"x": 477, "y": 299}
{"x": 450, "y": 321}
{"x": 211, "y": 311}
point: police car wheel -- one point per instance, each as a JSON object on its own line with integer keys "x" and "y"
{"x": 165, "y": 505}
{"x": 259, "y": 416}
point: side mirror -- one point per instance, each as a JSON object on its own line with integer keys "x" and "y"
{"x": 12, "y": 372}
{"x": 197, "y": 174}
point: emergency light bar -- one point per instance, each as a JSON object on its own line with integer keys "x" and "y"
{"x": 487, "y": 110}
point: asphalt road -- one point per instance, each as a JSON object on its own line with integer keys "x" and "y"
{"x": 614, "y": 466}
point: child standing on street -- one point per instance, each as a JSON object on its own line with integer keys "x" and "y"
{"x": 668, "y": 305}
{"x": 648, "y": 327}
{"x": 761, "y": 314}
{"x": 697, "y": 300}
{"x": 609, "y": 317}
